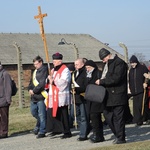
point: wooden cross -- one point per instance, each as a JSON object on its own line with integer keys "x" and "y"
{"x": 40, "y": 17}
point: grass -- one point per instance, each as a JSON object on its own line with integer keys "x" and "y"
{"x": 21, "y": 120}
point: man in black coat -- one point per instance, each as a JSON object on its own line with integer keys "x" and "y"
{"x": 114, "y": 79}
{"x": 79, "y": 82}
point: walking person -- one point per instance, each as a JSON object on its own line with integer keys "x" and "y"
{"x": 37, "y": 92}
{"x": 95, "y": 109}
{"x": 59, "y": 98}
{"x": 79, "y": 81}
{"x": 136, "y": 80}
{"x": 114, "y": 79}
{"x": 5, "y": 101}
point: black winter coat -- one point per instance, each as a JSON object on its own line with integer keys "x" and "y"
{"x": 41, "y": 75}
{"x": 136, "y": 79}
{"x": 81, "y": 81}
{"x": 116, "y": 82}
{"x": 94, "y": 106}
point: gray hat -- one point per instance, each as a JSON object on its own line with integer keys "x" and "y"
{"x": 103, "y": 53}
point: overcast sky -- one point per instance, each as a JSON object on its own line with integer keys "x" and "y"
{"x": 110, "y": 21}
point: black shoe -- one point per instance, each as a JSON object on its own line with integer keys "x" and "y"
{"x": 116, "y": 141}
{"x": 82, "y": 139}
{"x": 4, "y": 136}
{"x": 95, "y": 139}
{"x": 139, "y": 123}
{"x": 40, "y": 136}
{"x": 66, "y": 135}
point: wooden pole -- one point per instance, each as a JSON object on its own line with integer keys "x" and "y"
{"x": 40, "y": 17}
{"x": 74, "y": 106}
{"x": 147, "y": 76}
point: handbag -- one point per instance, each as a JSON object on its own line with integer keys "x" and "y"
{"x": 95, "y": 93}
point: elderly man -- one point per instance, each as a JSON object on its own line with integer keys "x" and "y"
{"x": 59, "y": 98}
{"x": 114, "y": 79}
{"x": 79, "y": 81}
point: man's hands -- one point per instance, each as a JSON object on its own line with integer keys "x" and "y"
{"x": 31, "y": 92}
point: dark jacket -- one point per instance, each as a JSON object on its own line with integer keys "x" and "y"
{"x": 116, "y": 82}
{"x": 5, "y": 88}
{"x": 81, "y": 81}
{"x": 41, "y": 75}
{"x": 136, "y": 79}
{"x": 94, "y": 106}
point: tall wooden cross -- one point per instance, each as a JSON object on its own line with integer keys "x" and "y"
{"x": 40, "y": 17}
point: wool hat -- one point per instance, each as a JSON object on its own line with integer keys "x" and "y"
{"x": 133, "y": 59}
{"x": 71, "y": 67}
{"x": 90, "y": 63}
{"x": 57, "y": 56}
{"x": 103, "y": 53}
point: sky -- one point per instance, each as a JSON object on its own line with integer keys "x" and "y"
{"x": 109, "y": 21}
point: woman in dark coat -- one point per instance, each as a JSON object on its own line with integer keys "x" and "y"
{"x": 136, "y": 80}
{"x": 94, "y": 108}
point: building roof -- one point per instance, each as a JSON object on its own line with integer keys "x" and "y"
{"x": 32, "y": 45}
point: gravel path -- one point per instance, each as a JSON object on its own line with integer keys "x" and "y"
{"x": 28, "y": 141}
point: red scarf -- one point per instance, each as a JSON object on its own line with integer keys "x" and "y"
{"x": 55, "y": 91}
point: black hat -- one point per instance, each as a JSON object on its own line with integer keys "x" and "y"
{"x": 103, "y": 53}
{"x": 71, "y": 67}
{"x": 90, "y": 63}
{"x": 57, "y": 56}
{"x": 133, "y": 59}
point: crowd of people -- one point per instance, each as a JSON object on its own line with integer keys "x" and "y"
{"x": 58, "y": 102}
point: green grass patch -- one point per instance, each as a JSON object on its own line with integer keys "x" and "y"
{"x": 20, "y": 119}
